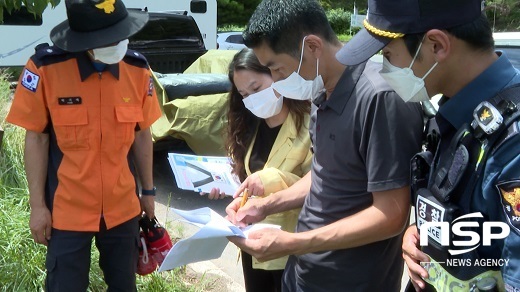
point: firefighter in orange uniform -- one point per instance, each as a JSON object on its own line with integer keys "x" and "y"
{"x": 87, "y": 104}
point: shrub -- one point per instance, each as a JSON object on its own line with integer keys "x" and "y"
{"x": 339, "y": 20}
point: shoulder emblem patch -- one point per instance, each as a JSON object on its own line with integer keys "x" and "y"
{"x": 510, "y": 197}
{"x": 30, "y": 80}
{"x": 150, "y": 87}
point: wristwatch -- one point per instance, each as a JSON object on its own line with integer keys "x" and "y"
{"x": 148, "y": 192}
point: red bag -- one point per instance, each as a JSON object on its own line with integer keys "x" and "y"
{"x": 147, "y": 264}
{"x": 157, "y": 238}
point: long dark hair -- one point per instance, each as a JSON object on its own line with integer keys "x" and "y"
{"x": 241, "y": 122}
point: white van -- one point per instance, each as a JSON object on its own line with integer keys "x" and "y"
{"x": 20, "y": 33}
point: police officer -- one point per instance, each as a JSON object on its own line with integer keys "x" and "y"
{"x": 87, "y": 104}
{"x": 443, "y": 46}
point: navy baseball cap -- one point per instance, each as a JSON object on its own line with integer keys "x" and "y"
{"x": 390, "y": 19}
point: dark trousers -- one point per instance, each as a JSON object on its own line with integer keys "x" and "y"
{"x": 257, "y": 280}
{"x": 68, "y": 257}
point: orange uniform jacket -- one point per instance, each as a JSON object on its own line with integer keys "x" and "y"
{"x": 91, "y": 118}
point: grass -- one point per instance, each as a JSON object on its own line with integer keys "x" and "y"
{"x": 345, "y": 37}
{"x": 230, "y": 27}
{"x": 22, "y": 262}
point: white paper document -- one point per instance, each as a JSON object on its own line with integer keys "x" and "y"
{"x": 207, "y": 243}
{"x": 203, "y": 173}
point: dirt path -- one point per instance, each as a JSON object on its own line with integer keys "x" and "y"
{"x": 222, "y": 274}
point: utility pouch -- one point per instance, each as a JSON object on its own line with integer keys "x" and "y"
{"x": 451, "y": 168}
{"x": 438, "y": 202}
{"x": 429, "y": 209}
{"x": 438, "y": 247}
{"x": 449, "y": 187}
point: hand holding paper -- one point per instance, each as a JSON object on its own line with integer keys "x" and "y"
{"x": 207, "y": 243}
{"x": 266, "y": 244}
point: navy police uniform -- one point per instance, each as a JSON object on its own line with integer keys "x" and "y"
{"x": 497, "y": 194}
{"x": 470, "y": 181}
{"x": 490, "y": 187}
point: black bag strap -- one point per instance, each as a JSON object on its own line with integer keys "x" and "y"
{"x": 431, "y": 136}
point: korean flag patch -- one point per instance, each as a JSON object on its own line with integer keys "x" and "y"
{"x": 30, "y": 80}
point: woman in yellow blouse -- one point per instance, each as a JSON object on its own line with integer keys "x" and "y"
{"x": 268, "y": 141}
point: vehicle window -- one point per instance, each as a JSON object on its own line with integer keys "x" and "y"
{"x": 235, "y": 38}
{"x": 513, "y": 54}
{"x": 198, "y": 6}
{"x": 167, "y": 28}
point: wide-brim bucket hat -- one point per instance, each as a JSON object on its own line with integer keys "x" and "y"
{"x": 93, "y": 24}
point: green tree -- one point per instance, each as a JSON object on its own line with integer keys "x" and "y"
{"x": 235, "y": 12}
{"x": 347, "y": 5}
{"x": 33, "y": 6}
{"x": 504, "y": 15}
{"x": 238, "y": 12}
{"x": 339, "y": 20}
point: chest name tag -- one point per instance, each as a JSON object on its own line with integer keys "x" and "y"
{"x": 428, "y": 211}
{"x": 69, "y": 100}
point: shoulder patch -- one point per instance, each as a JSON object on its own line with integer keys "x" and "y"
{"x": 136, "y": 59}
{"x": 30, "y": 80}
{"x": 510, "y": 198}
{"x": 46, "y": 55}
{"x": 40, "y": 46}
{"x": 47, "y": 51}
{"x": 150, "y": 87}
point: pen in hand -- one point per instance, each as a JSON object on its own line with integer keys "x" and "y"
{"x": 245, "y": 197}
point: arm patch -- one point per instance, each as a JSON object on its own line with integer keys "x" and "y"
{"x": 30, "y": 80}
{"x": 510, "y": 197}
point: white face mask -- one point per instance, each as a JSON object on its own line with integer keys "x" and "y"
{"x": 264, "y": 104}
{"x": 112, "y": 54}
{"x": 295, "y": 87}
{"x": 408, "y": 86}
